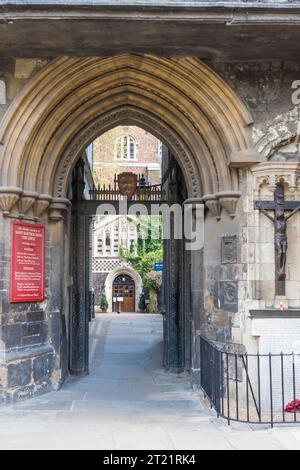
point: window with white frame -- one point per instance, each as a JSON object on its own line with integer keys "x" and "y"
{"x": 125, "y": 148}
{"x": 107, "y": 242}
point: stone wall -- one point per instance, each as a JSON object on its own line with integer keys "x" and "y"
{"x": 267, "y": 90}
{"x": 222, "y": 272}
{"x": 31, "y": 341}
{"x": 14, "y": 74}
{"x": 99, "y": 286}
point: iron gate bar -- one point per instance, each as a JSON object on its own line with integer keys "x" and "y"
{"x": 271, "y": 388}
{"x": 143, "y": 192}
{"x": 294, "y": 384}
{"x": 249, "y": 383}
{"x": 282, "y": 386}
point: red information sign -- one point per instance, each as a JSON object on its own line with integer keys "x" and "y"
{"x": 27, "y": 263}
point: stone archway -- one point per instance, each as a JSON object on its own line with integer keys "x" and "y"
{"x": 117, "y": 272}
{"x": 181, "y": 100}
{"x": 59, "y": 112}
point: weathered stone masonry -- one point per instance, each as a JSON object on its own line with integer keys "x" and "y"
{"x": 225, "y": 283}
{"x": 27, "y": 335}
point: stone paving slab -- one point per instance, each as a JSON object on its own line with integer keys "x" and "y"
{"x": 129, "y": 402}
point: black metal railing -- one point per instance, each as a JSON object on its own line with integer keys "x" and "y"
{"x": 251, "y": 388}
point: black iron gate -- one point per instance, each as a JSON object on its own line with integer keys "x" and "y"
{"x": 82, "y": 302}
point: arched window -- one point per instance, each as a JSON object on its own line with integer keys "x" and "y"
{"x": 107, "y": 239}
{"x": 125, "y": 148}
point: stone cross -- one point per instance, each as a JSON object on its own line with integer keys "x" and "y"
{"x": 279, "y": 206}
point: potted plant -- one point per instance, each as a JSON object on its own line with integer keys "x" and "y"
{"x": 142, "y": 303}
{"x": 103, "y": 303}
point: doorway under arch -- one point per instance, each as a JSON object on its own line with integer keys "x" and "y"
{"x": 123, "y": 294}
{"x": 129, "y": 273}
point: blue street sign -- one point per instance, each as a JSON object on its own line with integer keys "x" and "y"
{"x": 158, "y": 266}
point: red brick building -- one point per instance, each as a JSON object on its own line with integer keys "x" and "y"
{"x": 126, "y": 148}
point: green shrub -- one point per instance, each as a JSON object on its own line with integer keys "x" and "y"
{"x": 142, "y": 302}
{"x": 103, "y": 302}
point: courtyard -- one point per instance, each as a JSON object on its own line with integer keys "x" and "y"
{"x": 129, "y": 402}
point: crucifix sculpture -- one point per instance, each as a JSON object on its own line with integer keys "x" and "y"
{"x": 280, "y": 219}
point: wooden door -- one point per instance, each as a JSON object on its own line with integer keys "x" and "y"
{"x": 123, "y": 294}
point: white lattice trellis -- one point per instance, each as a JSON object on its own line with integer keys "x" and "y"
{"x": 105, "y": 265}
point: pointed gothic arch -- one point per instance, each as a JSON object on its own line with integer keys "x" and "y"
{"x": 58, "y": 113}
{"x": 126, "y": 270}
{"x": 70, "y": 101}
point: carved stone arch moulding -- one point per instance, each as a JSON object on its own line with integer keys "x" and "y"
{"x": 107, "y": 122}
{"x": 119, "y": 271}
{"x": 183, "y": 101}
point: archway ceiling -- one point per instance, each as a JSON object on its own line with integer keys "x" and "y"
{"x": 72, "y": 101}
{"x": 234, "y": 30}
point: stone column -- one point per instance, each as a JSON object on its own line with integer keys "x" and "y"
{"x": 57, "y": 313}
{"x": 4, "y": 307}
{"x": 27, "y": 353}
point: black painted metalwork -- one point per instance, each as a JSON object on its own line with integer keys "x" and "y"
{"x": 81, "y": 309}
{"x": 144, "y": 192}
{"x": 251, "y": 388}
{"x": 79, "y": 314}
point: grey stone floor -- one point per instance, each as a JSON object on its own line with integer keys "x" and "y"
{"x": 129, "y": 402}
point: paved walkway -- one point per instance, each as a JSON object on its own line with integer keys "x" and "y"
{"x": 129, "y": 402}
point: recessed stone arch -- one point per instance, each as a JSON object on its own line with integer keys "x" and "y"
{"x": 182, "y": 100}
{"x": 62, "y": 109}
{"x": 130, "y": 116}
{"x": 117, "y": 272}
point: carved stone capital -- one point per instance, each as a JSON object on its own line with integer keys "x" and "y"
{"x": 58, "y": 207}
{"x": 244, "y": 158}
{"x": 25, "y": 202}
{"x": 229, "y": 200}
{"x": 41, "y": 204}
{"x": 213, "y": 205}
{"x": 9, "y": 197}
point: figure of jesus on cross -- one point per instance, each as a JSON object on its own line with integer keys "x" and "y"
{"x": 280, "y": 207}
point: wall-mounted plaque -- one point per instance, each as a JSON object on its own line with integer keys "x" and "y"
{"x": 229, "y": 249}
{"x": 228, "y": 295}
{"x": 27, "y": 263}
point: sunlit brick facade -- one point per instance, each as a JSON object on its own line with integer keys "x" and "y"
{"x": 126, "y": 148}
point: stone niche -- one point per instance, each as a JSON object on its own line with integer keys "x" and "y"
{"x": 257, "y": 285}
{"x": 262, "y": 265}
